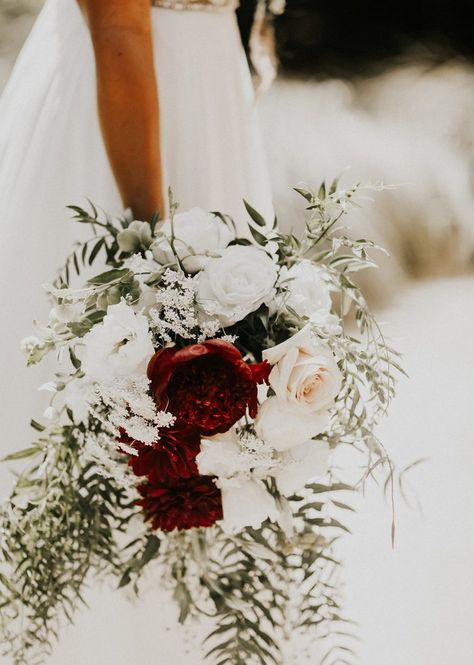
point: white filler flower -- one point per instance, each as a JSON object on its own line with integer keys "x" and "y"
{"x": 118, "y": 347}
{"x": 197, "y": 234}
{"x": 237, "y": 283}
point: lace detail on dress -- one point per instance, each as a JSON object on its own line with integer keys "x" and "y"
{"x": 209, "y": 5}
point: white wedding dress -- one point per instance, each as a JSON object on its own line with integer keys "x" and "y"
{"x": 52, "y": 155}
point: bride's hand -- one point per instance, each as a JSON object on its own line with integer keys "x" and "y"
{"x": 128, "y": 99}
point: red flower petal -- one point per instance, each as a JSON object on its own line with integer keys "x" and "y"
{"x": 261, "y": 371}
{"x": 168, "y": 459}
{"x": 186, "y": 504}
{"x": 207, "y": 386}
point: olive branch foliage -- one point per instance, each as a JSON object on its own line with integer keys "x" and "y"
{"x": 64, "y": 522}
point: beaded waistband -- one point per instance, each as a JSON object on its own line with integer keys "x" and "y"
{"x": 206, "y": 5}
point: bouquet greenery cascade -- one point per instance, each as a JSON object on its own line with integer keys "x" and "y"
{"x": 203, "y": 382}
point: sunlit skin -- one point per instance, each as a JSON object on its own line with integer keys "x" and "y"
{"x": 128, "y": 99}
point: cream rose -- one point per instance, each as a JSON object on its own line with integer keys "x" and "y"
{"x": 237, "y": 283}
{"x": 305, "y": 375}
{"x": 197, "y": 234}
{"x": 283, "y": 427}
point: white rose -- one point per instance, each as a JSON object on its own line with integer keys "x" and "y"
{"x": 308, "y": 290}
{"x": 120, "y": 346}
{"x": 197, "y": 234}
{"x": 219, "y": 456}
{"x": 283, "y": 427}
{"x": 301, "y": 465}
{"x": 245, "y": 503}
{"x": 305, "y": 374}
{"x": 237, "y": 283}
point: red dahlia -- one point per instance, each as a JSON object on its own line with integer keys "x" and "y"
{"x": 184, "y": 504}
{"x": 171, "y": 457}
{"x": 207, "y": 386}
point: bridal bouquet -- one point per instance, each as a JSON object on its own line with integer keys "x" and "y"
{"x": 202, "y": 384}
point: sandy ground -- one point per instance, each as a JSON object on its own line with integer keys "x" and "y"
{"x": 415, "y": 603}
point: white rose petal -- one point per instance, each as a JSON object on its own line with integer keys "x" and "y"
{"x": 237, "y": 283}
{"x": 219, "y": 456}
{"x": 50, "y": 413}
{"x": 305, "y": 374}
{"x": 308, "y": 290}
{"x": 120, "y": 346}
{"x": 78, "y": 395}
{"x": 301, "y": 465}
{"x": 49, "y": 387}
{"x": 197, "y": 234}
{"x": 245, "y": 503}
{"x": 65, "y": 313}
{"x": 283, "y": 427}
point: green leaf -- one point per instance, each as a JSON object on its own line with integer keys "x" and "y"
{"x": 109, "y": 276}
{"x": 255, "y": 216}
{"x": 333, "y": 187}
{"x": 317, "y": 488}
{"x": 74, "y": 359}
{"x": 125, "y": 579}
{"x": 304, "y": 193}
{"x": 151, "y": 550}
{"x": 37, "y": 426}
{"x": 154, "y": 221}
{"x": 96, "y": 249}
{"x": 76, "y": 264}
{"x": 79, "y": 328}
{"x": 343, "y": 506}
{"x": 240, "y": 241}
{"x": 21, "y": 454}
{"x": 258, "y": 237}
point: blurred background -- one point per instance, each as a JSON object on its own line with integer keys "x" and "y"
{"x": 384, "y": 92}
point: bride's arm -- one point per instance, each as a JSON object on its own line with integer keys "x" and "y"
{"x": 128, "y": 98}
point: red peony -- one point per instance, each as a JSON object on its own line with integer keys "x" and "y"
{"x": 171, "y": 457}
{"x": 184, "y": 504}
{"x": 207, "y": 386}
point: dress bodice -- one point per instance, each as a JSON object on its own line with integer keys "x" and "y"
{"x": 209, "y": 5}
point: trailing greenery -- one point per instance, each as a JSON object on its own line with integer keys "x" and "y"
{"x": 59, "y": 526}
{"x": 65, "y": 518}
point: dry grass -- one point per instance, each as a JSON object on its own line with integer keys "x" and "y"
{"x": 411, "y": 127}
